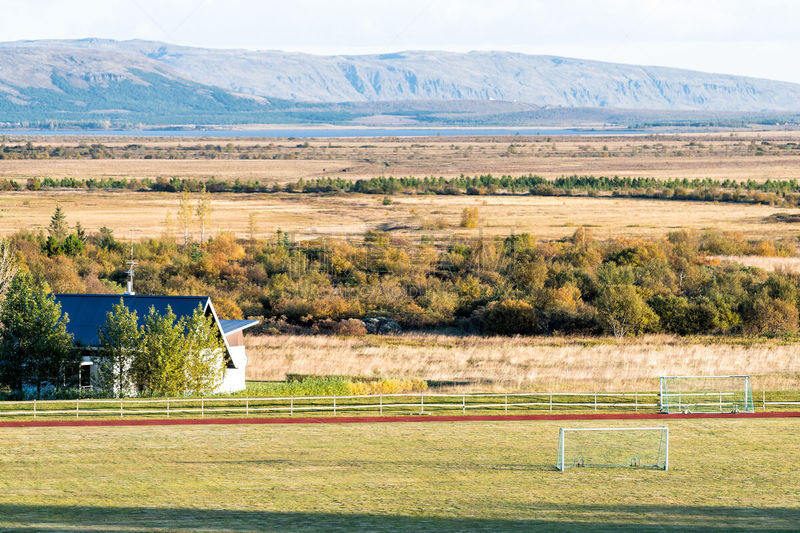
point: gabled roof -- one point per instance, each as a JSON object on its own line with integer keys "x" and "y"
{"x": 232, "y": 326}
{"x": 87, "y": 312}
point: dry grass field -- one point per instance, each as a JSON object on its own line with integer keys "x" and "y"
{"x": 304, "y": 216}
{"x": 542, "y": 364}
{"x": 741, "y": 156}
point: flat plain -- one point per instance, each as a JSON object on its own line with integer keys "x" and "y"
{"x": 305, "y": 216}
{"x": 722, "y": 155}
{"x": 724, "y": 475}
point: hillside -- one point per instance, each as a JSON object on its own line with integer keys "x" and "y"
{"x": 423, "y": 75}
{"x": 103, "y": 82}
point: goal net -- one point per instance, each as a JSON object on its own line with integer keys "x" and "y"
{"x": 613, "y": 447}
{"x": 706, "y": 394}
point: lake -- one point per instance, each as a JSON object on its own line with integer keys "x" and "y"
{"x": 302, "y": 133}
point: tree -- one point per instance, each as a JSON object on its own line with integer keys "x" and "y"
{"x": 120, "y": 341}
{"x": 185, "y": 215}
{"x": 771, "y": 317}
{"x": 178, "y": 356}
{"x": 469, "y": 217}
{"x": 58, "y": 229}
{"x": 35, "y": 348}
{"x": 203, "y": 211}
{"x": 252, "y": 226}
{"x": 510, "y": 317}
{"x": 80, "y": 232}
{"x": 157, "y": 368}
{"x": 622, "y": 311}
{"x": 8, "y": 267}
{"x": 204, "y": 354}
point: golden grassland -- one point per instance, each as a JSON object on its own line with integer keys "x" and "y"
{"x": 541, "y": 364}
{"x": 724, "y": 475}
{"x": 775, "y": 264}
{"x": 305, "y": 216}
{"x": 739, "y": 156}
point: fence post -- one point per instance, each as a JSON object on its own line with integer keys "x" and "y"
{"x": 202, "y": 408}
{"x": 120, "y": 407}
{"x": 636, "y": 401}
{"x": 464, "y": 403}
{"x": 764, "y": 400}
{"x": 77, "y": 407}
{"x": 334, "y": 406}
{"x": 506, "y": 402}
{"x": 421, "y": 403}
{"x": 381, "y": 405}
{"x": 720, "y": 400}
{"x": 551, "y": 401}
{"x": 291, "y": 405}
{"x": 247, "y": 407}
{"x": 167, "y": 407}
{"x": 595, "y": 402}
{"x": 34, "y": 408}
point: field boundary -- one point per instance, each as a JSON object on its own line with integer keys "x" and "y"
{"x": 388, "y": 419}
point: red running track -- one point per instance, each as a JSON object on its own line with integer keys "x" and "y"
{"x": 380, "y": 419}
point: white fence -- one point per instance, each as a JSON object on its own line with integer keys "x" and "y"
{"x": 380, "y": 404}
{"x": 409, "y": 403}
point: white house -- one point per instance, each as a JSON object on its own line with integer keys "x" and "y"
{"x": 87, "y": 313}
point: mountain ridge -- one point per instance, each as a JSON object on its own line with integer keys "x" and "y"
{"x": 542, "y": 80}
{"x": 156, "y": 82}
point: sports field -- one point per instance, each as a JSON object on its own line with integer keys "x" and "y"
{"x": 489, "y": 476}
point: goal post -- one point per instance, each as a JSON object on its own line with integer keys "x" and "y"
{"x": 706, "y": 394}
{"x": 641, "y": 447}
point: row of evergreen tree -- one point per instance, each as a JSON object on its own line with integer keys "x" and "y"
{"x": 780, "y": 192}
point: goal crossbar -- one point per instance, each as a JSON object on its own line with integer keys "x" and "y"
{"x": 649, "y": 451}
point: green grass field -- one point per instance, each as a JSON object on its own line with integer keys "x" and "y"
{"x": 724, "y": 475}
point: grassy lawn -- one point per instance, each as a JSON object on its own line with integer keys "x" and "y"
{"x": 724, "y": 475}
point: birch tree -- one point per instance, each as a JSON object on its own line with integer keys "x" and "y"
{"x": 185, "y": 215}
{"x": 203, "y": 212}
{"x": 120, "y": 341}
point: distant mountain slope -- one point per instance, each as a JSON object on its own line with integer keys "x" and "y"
{"x": 64, "y": 82}
{"x": 129, "y": 82}
{"x": 419, "y": 75}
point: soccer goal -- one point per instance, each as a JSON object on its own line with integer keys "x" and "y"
{"x": 613, "y": 447}
{"x": 706, "y": 394}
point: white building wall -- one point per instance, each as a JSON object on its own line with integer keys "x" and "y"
{"x": 233, "y": 380}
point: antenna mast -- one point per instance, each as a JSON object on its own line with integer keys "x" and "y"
{"x": 131, "y": 263}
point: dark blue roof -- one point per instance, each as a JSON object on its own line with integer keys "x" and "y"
{"x": 87, "y": 312}
{"x": 230, "y": 326}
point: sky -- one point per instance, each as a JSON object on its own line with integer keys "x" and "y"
{"x": 753, "y": 38}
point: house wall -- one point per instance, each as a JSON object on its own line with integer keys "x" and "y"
{"x": 234, "y": 379}
{"x": 235, "y": 339}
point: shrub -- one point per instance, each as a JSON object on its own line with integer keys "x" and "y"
{"x": 510, "y": 317}
{"x": 621, "y": 311}
{"x": 469, "y": 217}
{"x": 771, "y": 316}
{"x": 387, "y": 386}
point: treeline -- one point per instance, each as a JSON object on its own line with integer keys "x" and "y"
{"x": 142, "y": 151}
{"x": 770, "y": 192}
{"x": 503, "y": 285}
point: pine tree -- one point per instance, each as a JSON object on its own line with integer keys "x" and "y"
{"x": 35, "y": 348}
{"x": 58, "y": 229}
